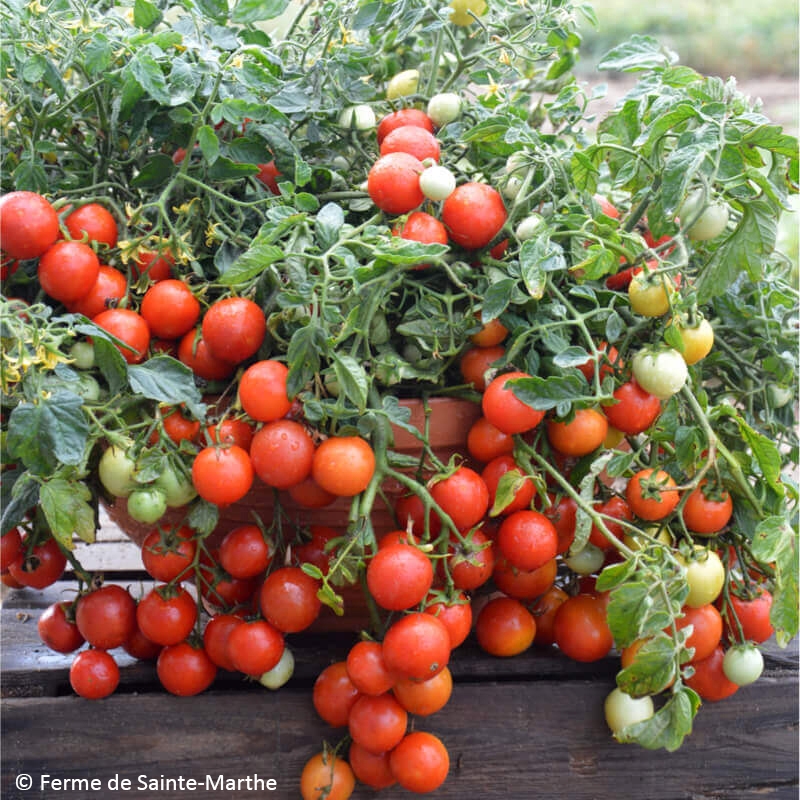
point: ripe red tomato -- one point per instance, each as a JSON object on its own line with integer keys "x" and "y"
{"x": 706, "y": 622}
{"x": 657, "y": 501}
{"x": 607, "y": 357}
{"x": 579, "y": 436}
{"x": 524, "y": 584}
{"x": 28, "y": 224}
{"x": 371, "y": 769}
{"x": 222, "y": 475}
{"x": 343, "y": 465}
{"x": 334, "y": 694}
{"x": 416, "y": 646}
{"x": 403, "y": 117}
{"x": 707, "y": 514}
{"x": 177, "y": 427}
{"x": 544, "y": 611}
{"x": 378, "y": 723}
{"x": 709, "y": 679}
{"x": 140, "y": 647}
{"x": 562, "y": 512}
{"x": 420, "y": 762}
{"x": 491, "y": 334}
{"x": 246, "y": 552}
{"x": 456, "y": 615}
{"x": 399, "y": 576}
{"x": 219, "y": 590}
{"x": 580, "y": 628}
{"x": 282, "y": 452}
{"x": 166, "y": 615}
{"x": 476, "y": 362}
{"x": 193, "y": 351}
{"x": 326, "y": 776}
{"x": 423, "y": 698}
{"x": 94, "y": 222}
{"x": 422, "y": 227}
{"x": 57, "y": 628}
{"x": 106, "y": 617}
{"x": 505, "y": 410}
{"x": 185, "y": 670}
{"x": 288, "y": 599}
{"x": 463, "y": 496}
{"x": 474, "y": 214}
{"x": 42, "y": 568}
{"x": 215, "y": 639}
{"x": 615, "y": 508}
{"x": 752, "y": 614}
{"x": 635, "y": 410}
{"x": 234, "y": 328}
{"x": 410, "y": 512}
{"x": 471, "y": 561}
{"x": 367, "y": 670}
{"x": 230, "y": 430}
{"x": 505, "y": 627}
{"x": 94, "y": 674}
{"x": 413, "y": 140}
{"x": 527, "y": 539}
{"x": 10, "y": 548}
{"x": 262, "y": 391}
{"x": 68, "y": 270}
{"x": 268, "y": 174}
{"x": 522, "y": 495}
{"x": 485, "y": 442}
{"x": 109, "y": 287}
{"x": 170, "y": 309}
{"x": 255, "y": 647}
{"x": 393, "y": 183}
{"x": 130, "y": 328}
{"x": 155, "y": 266}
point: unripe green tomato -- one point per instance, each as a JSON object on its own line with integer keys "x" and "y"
{"x": 660, "y": 372}
{"x": 331, "y": 382}
{"x": 437, "y": 183}
{"x": 711, "y": 222}
{"x": 622, "y": 710}
{"x": 443, "y": 108}
{"x": 280, "y": 673}
{"x": 587, "y": 561}
{"x": 529, "y": 227}
{"x": 743, "y": 664}
{"x": 116, "y": 470}
{"x": 403, "y": 84}
{"x": 89, "y": 389}
{"x": 82, "y": 355}
{"x": 379, "y": 329}
{"x": 147, "y": 505}
{"x": 778, "y": 396}
{"x": 178, "y": 490}
{"x": 412, "y": 352}
{"x": 359, "y": 118}
{"x": 705, "y": 575}
{"x": 517, "y": 163}
{"x": 511, "y": 188}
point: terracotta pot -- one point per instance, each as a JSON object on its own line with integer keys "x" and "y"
{"x": 449, "y": 424}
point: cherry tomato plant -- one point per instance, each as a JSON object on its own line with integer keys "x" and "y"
{"x": 234, "y": 241}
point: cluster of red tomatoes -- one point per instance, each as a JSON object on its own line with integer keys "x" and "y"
{"x": 408, "y": 172}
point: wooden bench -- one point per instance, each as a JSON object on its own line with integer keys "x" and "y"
{"x": 527, "y": 727}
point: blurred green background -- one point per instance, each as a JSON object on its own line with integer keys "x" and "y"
{"x": 745, "y": 38}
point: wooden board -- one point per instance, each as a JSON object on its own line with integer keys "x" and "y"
{"x": 528, "y": 727}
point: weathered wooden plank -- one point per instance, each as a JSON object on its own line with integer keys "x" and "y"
{"x": 506, "y": 740}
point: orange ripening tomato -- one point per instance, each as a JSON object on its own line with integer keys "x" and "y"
{"x": 581, "y": 435}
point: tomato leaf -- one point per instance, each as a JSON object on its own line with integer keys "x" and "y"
{"x": 145, "y": 14}
{"x": 306, "y": 347}
{"x": 52, "y": 430}
{"x": 583, "y": 522}
{"x": 256, "y": 10}
{"x": 352, "y": 379}
{"x": 328, "y": 224}
{"x": 669, "y": 726}
{"x": 209, "y": 143}
{"x": 251, "y": 263}
{"x": 652, "y": 670}
{"x": 766, "y": 454}
{"x": 164, "y": 379}
{"x": 66, "y": 507}
{"x": 19, "y": 491}
{"x": 775, "y": 542}
{"x": 636, "y": 54}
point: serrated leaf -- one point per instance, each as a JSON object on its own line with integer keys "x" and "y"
{"x": 54, "y": 430}
{"x": 636, "y": 54}
{"x": 546, "y": 393}
{"x": 147, "y": 72}
{"x": 184, "y": 80}
{"x": 352, "y": 378}
{"x": 67, "y": 510}
{"x": 766, "y": 454}
{"x": 328, "y": 224}
{"x": 653, "y": 668}
{"x": 203, "y": 517}
{"x": 669, "y": 726}
{"x": 615, "y": 574}
{"x": 145, "y": 14}
{"x": 255, "y": 10}
{"x": 507, "y": 487}
{"x": 496, "y": 299}
{"x": 251, "y": 263}
{"x": 166, "y": 380}
{"x": 303, "y": 356}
